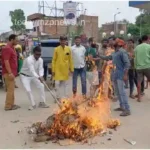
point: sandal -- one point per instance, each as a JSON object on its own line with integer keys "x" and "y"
{"x": 142, "y": 94}
{"x": 132, "y": 96}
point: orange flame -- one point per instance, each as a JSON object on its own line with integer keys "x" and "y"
{"x": 78, "y": 120}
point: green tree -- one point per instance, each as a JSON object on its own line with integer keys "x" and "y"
{"x": 79, "y": 30}
{"x": 17, "y": 19}
{"x": 143, "y": 22}
{"x": 142, "y": 19}
{"x": 133, "y": 29}
{"x": 125, "y": 21}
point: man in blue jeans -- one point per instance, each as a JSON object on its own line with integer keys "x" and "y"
{"x": 122, "y": 63}
{"x": 78, "y": 54}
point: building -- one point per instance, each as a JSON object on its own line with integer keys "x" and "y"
{"x": 4, "y": 36}
{"x": 90, "y": 25}
{"x": 21, "y": 35}
{"x": 55, "y": 27}
{"x": 109, "y": 27}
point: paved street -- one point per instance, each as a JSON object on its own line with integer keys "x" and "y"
{"x": 135, "y": 127}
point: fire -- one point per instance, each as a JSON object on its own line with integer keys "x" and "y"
{"x": 78, "y": 119}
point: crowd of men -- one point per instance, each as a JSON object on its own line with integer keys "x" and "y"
{"x": 89, "y": 62}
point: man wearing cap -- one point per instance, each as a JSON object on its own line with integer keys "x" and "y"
{"x": 122, "y": 63}
{"x": 62, "y": 66}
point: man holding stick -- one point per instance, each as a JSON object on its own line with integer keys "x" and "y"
{"x": 32, "y": 72}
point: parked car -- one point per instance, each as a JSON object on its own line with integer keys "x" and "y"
{"x": 48, "y": 47}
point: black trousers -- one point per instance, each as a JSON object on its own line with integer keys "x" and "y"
{"x": 133, "y": 80}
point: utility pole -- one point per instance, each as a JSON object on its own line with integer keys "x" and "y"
{"x": 115, "y": 22}
{"x": 140, "y": 27}
{"x": 56, "y": 15}
{"x": 39, "y": 7}
{"x": 43, "y": 7}
{"x": 44, "y": 17}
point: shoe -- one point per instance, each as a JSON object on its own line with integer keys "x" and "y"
{"x": 138, "y": 100}
{"x": 119, "y": 109}
{"x": 32, "y": 107}
{"x": 14, "y": 107}
{"x": 43, "y": 105}
{"x": 125, "y": 113}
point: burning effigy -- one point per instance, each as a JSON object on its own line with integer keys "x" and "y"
{"x": 78, "y": 119}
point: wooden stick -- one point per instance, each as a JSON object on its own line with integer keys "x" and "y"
{"x": 52, "y": 94}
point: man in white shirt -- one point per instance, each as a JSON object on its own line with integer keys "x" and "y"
{"x": 32, "y": 72}
{"x": 78, "y": 54}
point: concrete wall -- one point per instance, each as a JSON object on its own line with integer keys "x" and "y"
{"x": 110, "y": 27}
{"x": 90, "y": 26}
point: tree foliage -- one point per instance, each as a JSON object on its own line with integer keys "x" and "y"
{"x": 79, "y": 29}
{"x": 143, "y": 22}
{"x": 133, "y": 29}
{"x": 17, "y": 19}
{"x": 125, "y": 21}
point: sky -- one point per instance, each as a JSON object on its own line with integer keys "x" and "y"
{"x": 105, "y": 10}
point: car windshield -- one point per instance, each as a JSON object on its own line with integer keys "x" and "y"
{"x": 50, "y": 44}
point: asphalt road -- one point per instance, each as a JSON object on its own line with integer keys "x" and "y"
{"x": 13, "y": 135}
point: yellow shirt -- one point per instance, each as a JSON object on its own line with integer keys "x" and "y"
{"x": 62, "y": 63}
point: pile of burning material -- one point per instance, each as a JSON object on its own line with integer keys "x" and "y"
{"x": 76, "y": 122}
{"x": 78, "y": 119}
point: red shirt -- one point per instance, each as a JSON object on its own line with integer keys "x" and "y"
{"x": 0, "y": 56}
{"x": 9, "y": 53}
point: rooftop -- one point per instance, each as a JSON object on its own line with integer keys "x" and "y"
{"x": 140, "y": 4}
